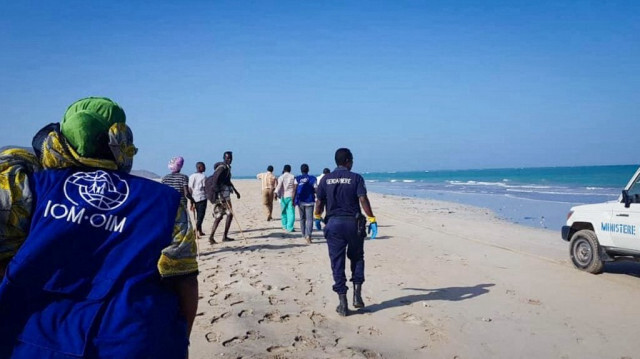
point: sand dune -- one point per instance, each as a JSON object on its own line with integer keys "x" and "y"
{"x": 442, "y": 281}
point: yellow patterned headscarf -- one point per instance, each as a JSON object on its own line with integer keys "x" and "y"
{"x": 16, "y": 199}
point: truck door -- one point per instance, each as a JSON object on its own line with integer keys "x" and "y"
{"x": 625, "y": 221}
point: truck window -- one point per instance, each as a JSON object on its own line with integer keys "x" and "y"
{"x": 634, "y": 190}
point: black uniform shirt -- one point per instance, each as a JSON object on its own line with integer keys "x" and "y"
{"x": 340, "y": 191}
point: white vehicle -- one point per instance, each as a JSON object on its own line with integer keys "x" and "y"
{"x": 604, "y": 232}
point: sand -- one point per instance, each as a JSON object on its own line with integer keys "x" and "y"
{"x": 443, "y": 280}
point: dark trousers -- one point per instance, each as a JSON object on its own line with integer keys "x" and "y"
{"x": 342, "y": 238}
{"x": 201, "y": 208}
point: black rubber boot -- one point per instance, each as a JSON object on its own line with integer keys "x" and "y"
{"x": 357, "y": 296}
{"x": 343, "y": 308}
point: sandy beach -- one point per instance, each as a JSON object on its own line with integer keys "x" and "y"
{"x": 443, "y": 280}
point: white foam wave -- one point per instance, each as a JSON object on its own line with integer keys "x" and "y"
{"x": 496, "y": 184}
{"x": 408, "y": 181}
{"x": 556, "y": 192}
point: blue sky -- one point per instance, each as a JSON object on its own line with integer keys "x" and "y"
{"x": 407, "y": 85}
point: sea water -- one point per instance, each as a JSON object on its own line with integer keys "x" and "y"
{"x": 536, "y": 197}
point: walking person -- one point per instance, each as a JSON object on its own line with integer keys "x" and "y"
{"x": 178, "y": 181}
{"x": 325, "y": 171}
{"x": 196, "y": 186}
{"x": 285, "y": 190}
{"x": 343, "y": 193}
{"x": 219, "y": 189}
{"x": 305, "y": 199}
{"x": 102, "y": 262}
{"x": 318, "y": 221}
{"x": 268, "y": 183}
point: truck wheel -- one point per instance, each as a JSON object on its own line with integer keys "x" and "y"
{"x": 585, "y": 251}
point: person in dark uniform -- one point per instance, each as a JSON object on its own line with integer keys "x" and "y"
{"x": 343, "y": 193}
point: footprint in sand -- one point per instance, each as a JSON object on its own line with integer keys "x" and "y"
{"x": 221, "y": 316}
{"x": 368, "y": 331}
{"x": 303, "y": 342}
{"x": 317, "y": 318}
{"x": 273, "y": 300}
{"x": 250, "y": 335}
{"x": 434, "y": 333}
{"x": 245, "y": 313}
{"x": 254, "y": 276}
{"x": 212, "y": 337}
{"x": 410, "y": 318}
{"x": 360, "y": 352}
{"x": 277, "y": 349}
{"x": 229, "y": 284}
{"x": 274, "y": 317}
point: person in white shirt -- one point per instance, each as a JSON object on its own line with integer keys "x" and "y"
{"x": 196, "y": 187}
{"x": 324, "y": 172}
{"x": 286, "y": 190}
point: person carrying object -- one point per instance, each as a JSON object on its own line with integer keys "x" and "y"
{"x": 318, "y": 221}
{"x": 343, "y": 193}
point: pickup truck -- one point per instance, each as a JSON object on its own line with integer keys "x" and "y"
{"x": 605, "y": 232}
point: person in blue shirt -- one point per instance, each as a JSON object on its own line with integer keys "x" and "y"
{"x": 305, "y": 199}
{"x": 343, "y": 193}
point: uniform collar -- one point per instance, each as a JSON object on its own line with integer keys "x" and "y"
{"x": 341, "y": 168}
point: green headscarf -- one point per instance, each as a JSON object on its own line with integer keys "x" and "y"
{"x": 86, "y": 125}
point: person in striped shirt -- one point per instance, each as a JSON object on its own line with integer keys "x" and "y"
{"x": 178, "y": 181}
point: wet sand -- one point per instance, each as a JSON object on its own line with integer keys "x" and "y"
{"x": 443, "y": 280}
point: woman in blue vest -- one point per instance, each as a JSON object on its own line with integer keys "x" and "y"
{"x": 95, "y": 262}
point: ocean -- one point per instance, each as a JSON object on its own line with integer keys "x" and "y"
{"x": 535, "y": 197}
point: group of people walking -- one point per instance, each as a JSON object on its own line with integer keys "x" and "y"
{"x": 98, "y": 263}
{"x": 343, "y": 194}
{"x": 292, "y": 191}
{"x": 198, "y": 189}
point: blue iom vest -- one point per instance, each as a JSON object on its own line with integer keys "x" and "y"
{"x": 85, "y": 283}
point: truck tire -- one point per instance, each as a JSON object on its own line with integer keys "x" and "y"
{"x": 585, "y": 251}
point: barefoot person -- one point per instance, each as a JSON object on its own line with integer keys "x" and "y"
{"x": 343, "y": 193}
{"x": 103, "y": 263}
{"x": 220, "y": 189}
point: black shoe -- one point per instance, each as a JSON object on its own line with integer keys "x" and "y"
{"x": 228, "y": 239}
{"x": 357, "y": 296}
{"x": 212, "y": 241}
{"x": 343, "y": 307}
